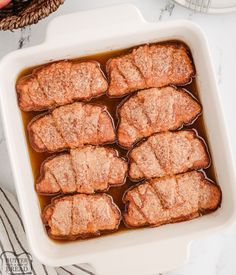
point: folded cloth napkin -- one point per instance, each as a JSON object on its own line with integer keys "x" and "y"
{"x": 15, "y": 257}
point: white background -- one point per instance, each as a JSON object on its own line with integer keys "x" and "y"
{"x": 212, "y": 256}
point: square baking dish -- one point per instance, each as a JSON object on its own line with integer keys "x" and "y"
{"x": 142, "y": 251}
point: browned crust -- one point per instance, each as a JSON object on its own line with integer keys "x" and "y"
{"x": 54, "y": 105}
{"x": 48, "y": 210}
{"x": 182, "y": 218}
{"x": 42, "y": 174}
{"x": 31, "y": 134}
{"x": 196, "y": 135}
{"x": 127, "y": 99}
{"x": 175, "y": 44}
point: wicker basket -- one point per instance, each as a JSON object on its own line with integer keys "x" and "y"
{"x": 30, "y": 14}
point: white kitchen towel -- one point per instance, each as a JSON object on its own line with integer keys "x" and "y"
{"x": 15, "y": 257}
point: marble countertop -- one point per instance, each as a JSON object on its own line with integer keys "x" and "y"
{"x": 216, "y": 254}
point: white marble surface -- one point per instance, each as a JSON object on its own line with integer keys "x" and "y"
{"x": 212, "y": 256}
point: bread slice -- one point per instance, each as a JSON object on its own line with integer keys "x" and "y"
{"x": 60, "y": 83}
{"x": 166, "y": 154}
{"x": 84, "y": 170}
{"x": 155, "y": 110}
{"x": 149, "y": 66}
{"x": 71, "y": 126}
{"x": 170, "y": 199}
{"x": 81, "y": 216}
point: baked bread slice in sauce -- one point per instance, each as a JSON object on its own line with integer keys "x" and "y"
{"x": 149, "y": 66}
{"x": 60, "y": 83}
{"x": 155, "y": 110}
{"x": 167, "y": 154}
{"x": 170, "y": 199}
{"x": 81, "y": 216}
{"x": 84, "y": 170}
{"x": 71, "y": 126}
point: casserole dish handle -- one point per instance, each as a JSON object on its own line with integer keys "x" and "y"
{"x": 154, "y": 258}
{"x": 83, "y": 23}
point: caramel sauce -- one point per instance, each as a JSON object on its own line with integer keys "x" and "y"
{"x": 112, "y": 104}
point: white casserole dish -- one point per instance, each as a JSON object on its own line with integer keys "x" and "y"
{"x": 130, "y": 252}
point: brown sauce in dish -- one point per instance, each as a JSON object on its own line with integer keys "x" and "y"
{"x": 111, "y": 103}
